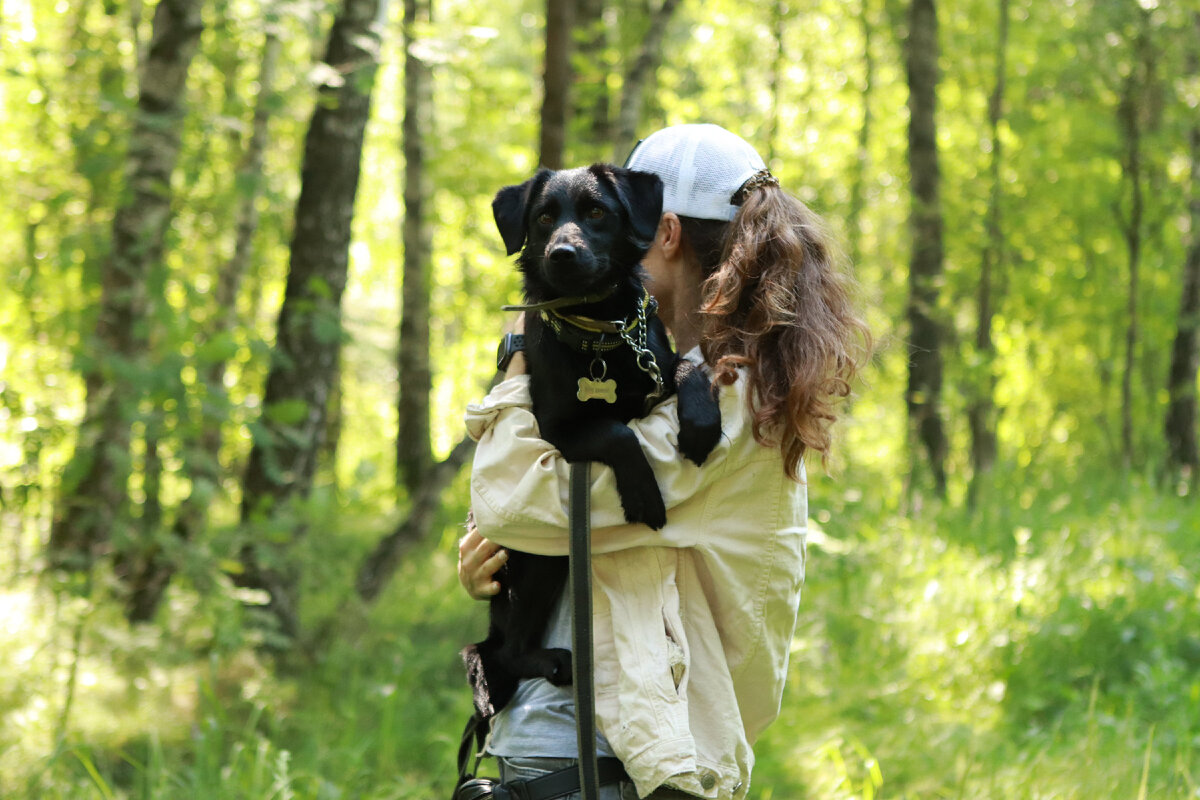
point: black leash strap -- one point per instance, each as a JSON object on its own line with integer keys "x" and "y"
{"x": 473, "y": 738}
{"x": 581, "y": 629}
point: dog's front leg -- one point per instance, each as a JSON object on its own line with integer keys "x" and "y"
{"x": 614, "y": 444}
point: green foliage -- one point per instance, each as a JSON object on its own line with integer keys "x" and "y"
{"x": 1023, "y": 650}
{"x": 1018, "y": 651}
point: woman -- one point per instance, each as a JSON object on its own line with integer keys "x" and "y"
{"x": 693, "y": 622}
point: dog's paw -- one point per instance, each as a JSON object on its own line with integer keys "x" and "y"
{"x": 558, "y": 667}
{"x": 698, "y": 437}
{"x": 643, "y": 503}
{"x": 699, "y": 417}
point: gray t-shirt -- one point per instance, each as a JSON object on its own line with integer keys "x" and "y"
{"x": 539, "y": 721}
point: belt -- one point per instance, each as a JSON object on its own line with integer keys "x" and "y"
{"x": 560, "y": 783}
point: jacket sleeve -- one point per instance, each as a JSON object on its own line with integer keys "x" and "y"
{"x": 520, "y": 483}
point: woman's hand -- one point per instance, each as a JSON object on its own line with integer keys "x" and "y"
{"x": 478, "y": 562}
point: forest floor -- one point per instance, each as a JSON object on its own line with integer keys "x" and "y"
{"x": 1046, "y": 645}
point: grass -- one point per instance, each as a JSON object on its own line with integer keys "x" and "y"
{"x": 1046, "y": 645}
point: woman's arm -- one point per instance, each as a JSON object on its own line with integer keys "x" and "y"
{"x": 519, "y": 482}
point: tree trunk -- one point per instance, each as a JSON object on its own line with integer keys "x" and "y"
{"x": 779, "y": 18}
{"x": 1185, "y": 352}
{"x": 858, "y": 187}
{"x": 640, "y": 72}
{"x": 923, "y": 395}
{"x": 414, "y": 456}
{"x": 304, "y": 363}
{"x": 423, "y": 478}
{"x": 135, "y": 24}
{"x": 556, "y": 81}
{"x": 591, "y": 95}
{"x": 153, "y": 572}
{"x": 92, "y": 503}
{"x": 331, "y": 439}
{"x": 982, "y": 412}
{"x": 1129, "y": 117}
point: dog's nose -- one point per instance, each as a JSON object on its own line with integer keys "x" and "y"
{"x": 562, "y": 253}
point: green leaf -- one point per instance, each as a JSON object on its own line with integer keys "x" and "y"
{"x": 221, "y": 347}
{"x": 287, "y": 412}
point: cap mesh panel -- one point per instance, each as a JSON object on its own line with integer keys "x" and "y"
{"x": 701, "y": 166}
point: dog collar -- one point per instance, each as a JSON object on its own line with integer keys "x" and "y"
{"x": 597, "y": 337}
{"x": 589, "y": 335}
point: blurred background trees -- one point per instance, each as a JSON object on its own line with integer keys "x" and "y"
{"x": 250, "y": 281}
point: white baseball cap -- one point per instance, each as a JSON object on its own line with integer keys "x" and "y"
{"x": 702, "y": 167}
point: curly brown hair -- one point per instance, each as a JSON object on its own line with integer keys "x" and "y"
{"x": 778, "y": 303}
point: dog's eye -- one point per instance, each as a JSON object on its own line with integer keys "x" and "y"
{"x": 545, "y": 219}
{"x": 596, "y": 213}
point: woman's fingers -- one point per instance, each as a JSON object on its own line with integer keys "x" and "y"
{"x": 478, "y": 562}
{"x": 485, "y": 584}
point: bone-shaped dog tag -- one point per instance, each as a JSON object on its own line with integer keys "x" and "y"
{"x": 590, "y": 389}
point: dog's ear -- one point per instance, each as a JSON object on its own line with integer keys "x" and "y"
{"x": 641, "y": 195}
{"x": 509, "y": 208}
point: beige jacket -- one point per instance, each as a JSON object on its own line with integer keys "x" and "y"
{"x": 693, "y": 622}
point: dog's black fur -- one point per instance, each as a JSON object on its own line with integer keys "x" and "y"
{"x": 580, "y": 232}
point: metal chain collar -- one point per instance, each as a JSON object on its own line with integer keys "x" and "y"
{"x": 645, "y": 357}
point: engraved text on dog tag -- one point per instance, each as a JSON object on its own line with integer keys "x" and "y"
{"x": 591, "y": 389}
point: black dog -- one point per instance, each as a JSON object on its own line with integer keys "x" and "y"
{"x": 598, "y": 357}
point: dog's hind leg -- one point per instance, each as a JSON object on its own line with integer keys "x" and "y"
{"x": 553, "y": 664}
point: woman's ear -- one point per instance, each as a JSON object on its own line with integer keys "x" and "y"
{"x": 670, "y": 234}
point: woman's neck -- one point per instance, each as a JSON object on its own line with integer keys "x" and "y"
{"x": 682, "y": 317}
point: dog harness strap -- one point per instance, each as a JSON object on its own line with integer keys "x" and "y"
{"x": 581, "y": 628}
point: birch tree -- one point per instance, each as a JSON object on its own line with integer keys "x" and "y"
{"x": 153, "y": 568}
{"x": 304, "y": 363}
{"x": 638, "y": 76}
{"x": 92, "y": 512}
{"x": 982, "y": 411}
{"x": 923, "y": 395}
{"x": 414, "y": 456}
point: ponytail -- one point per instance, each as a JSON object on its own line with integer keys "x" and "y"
{"x": 777, "y": 305}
